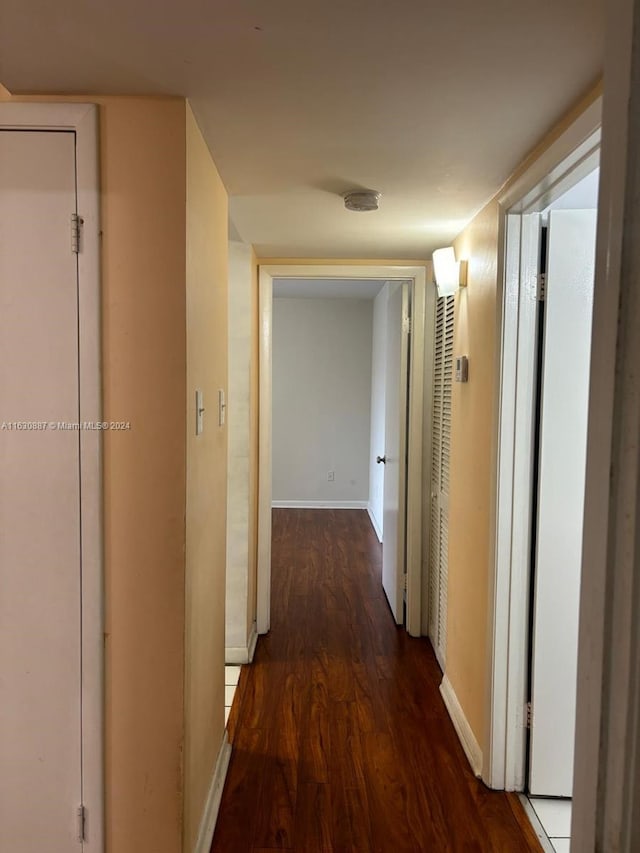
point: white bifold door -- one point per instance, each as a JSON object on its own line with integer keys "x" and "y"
{"x": 561, "y": 482}
{"x": 395, "y": 442}
{"x": 40, "y": 571}
{"x": 440, "y": 458}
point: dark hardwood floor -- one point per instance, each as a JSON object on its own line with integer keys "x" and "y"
{"x": 341, "y": 741}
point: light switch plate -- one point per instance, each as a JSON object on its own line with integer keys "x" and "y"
{"x": 199, "y": 412}
{"x": 462, "y": 368}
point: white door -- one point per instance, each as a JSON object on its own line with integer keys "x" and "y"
{"x": 40, "y": 588}
{"x": 394, "y": 504}
{"x": 562, "y": 459}
{"x": 440, "y": 458}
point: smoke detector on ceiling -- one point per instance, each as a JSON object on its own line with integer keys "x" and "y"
{"x": 361, "y": 200}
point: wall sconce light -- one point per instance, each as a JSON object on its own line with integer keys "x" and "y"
{"x": 448, "y": 273}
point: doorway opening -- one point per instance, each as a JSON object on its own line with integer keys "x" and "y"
{"x": 398, "y": 287}
{"x": 550, "y": 236}
{"x": 567, "y": 261}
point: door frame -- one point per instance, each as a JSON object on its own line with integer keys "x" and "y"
{"x": 572, "y": 156}
{"x": 82, "y": 119}
{"x": 423, "y": 301}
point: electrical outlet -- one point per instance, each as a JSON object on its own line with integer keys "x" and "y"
{"x": 331, "y": 475}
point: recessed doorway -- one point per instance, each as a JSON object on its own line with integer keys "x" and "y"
{"x": 408, "y": 546}
{"x": 550, "y": 237}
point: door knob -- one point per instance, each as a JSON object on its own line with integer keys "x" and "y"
{"x": 380, "y": 459}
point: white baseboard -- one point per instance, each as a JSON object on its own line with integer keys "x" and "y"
{"x": 236, "y": 655}
{"x": 242, "y": 654}
{"x": 319, "y": 504}
{"x": 374, "y": 522}
{"x": 212, "y": 805}
{"x": 463, "y": 729}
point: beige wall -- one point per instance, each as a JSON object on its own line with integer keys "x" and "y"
{"x": 207, "y": 253}
{"x": 472, "y": 475}
{"x": 144, "y": 331}
{"x": 473, "y": 464}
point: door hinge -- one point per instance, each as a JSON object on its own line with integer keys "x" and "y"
{"x": 528, "y": 715}
{"x": 82, "y": 823}
{"x": 406, "y": 325}
{"x": 541, "y": 287}
{"x": 76, "y": 232}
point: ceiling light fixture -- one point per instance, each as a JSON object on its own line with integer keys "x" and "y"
{"x": 448, "y": 273}
{"x": 362, "y": 200}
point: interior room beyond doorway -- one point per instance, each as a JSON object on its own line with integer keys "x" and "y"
{"x": 327, "y": 394}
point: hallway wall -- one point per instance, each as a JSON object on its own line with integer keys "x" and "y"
{"x": 472, "y": 473}
{"x": 144, "y": 372}
{"x": 206, "y": 516}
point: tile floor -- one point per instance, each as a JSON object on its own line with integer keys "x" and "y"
{"x": 552, "y": 820}
{"x": 231, "y": 676}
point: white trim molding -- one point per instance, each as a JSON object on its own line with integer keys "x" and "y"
{"x": 214, "y": 797}
{"x": 319, "y": 504}
{"x": 461, "y": 725}
{"x": 423, "y": 299}
{"x": 82, "y": 119}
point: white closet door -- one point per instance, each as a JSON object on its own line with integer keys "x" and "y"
{"x": 40, "y": 608}
{"x": 395, "y": 442}
{"x": 563, "y": 439}
{"x": 440, "y": 456}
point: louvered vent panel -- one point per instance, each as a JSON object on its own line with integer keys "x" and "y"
{"x": 440, "y": 457}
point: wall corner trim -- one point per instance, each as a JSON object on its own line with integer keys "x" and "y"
{"x": 374, "y": 522}
{"x": 461, "y": 725}
{"x": 212, "y": 805}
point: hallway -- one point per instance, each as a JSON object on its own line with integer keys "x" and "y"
{"x": 341, "y": 741}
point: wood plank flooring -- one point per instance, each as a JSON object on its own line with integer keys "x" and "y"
{"x": 341, "y": 741}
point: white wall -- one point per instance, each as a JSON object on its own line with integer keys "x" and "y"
{"x": 237, "y": 627}
{"x": 322, "y": 352}
{"x": 378, "y": 373}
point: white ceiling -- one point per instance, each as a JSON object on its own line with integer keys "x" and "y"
{"x": 327, "y": 288}
{"x": 431, "y": 103}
